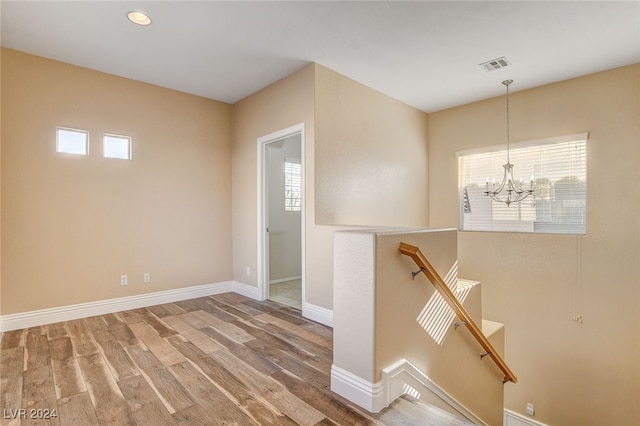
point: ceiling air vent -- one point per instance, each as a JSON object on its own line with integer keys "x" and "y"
{"x": 495, "y": 64}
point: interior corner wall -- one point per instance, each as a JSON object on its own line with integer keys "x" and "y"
{"x": 72, "y": 225}
{"x": 369, "y": 160}
{"x": 575, "y": 373}
{"x": 371, "y": 156}
{"x": 283, "y": 104}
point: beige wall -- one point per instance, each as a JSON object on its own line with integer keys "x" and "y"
{"x": 370, "y": 159}
{"x": 576, "y": 374}
{"x": 1, "y": 54}
{"x": 370, "y": 156}
{"x": 347, "y": 128}
{"x": 147, "y": 215}
{"x": 74, "y": 224}
{"x": 285, "y": 103}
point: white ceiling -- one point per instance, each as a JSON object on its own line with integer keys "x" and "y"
{"x": 424, "y": 53}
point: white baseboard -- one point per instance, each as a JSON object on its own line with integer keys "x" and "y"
{"x": 511, "y": 418}
{"x": 284, "y": 280}
{"x": 370, "y": 396}
{"x": 398, "y": 379}
{"x": 83, "y": 310}
{"x": 313, "y": 312}
{"x": 101, "y": 307}
{"x": 246, "y": 290}
{"x": 318, "y": 314}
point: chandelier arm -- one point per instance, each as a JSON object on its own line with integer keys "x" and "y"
{"x": 516, "y": 187}
{"x": 505, "y": 178}
{"x": 501, "y": 187}
{"x": 510, "y": 198}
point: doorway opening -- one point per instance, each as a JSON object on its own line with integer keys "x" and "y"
{"x": 281, "y": 222}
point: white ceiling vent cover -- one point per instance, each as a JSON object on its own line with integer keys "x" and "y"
{"x": 495, "y": 64}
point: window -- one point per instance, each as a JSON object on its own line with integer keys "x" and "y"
{"x": 72, "y": 141}
{"x": 117, "y": 147}
{"x": 558, "y": 166}
{"x": 292, "y": 185}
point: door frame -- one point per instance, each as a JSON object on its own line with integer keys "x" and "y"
{"x": 263, "y": 237}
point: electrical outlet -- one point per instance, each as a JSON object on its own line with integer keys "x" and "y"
{"x": 123, "y": 280}
{"x": 248, "y": 271}
{"x": 530, "y": 409}
{"x": 146, "y": 278}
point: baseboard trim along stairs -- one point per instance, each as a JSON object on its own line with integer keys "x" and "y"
{"x": 399, "y": 378}
{"x": 511, "y": 418}
{"x": 370, "y": 396}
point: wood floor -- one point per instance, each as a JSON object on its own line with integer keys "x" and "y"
{"x": 223, "y": 359}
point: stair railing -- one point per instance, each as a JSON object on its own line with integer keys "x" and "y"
{"x": 425, "y": 267}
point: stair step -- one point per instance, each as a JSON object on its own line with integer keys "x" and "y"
{"x": 407, "y": 410}
{"x": 489, "y": 328}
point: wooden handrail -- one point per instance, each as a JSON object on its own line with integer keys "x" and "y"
{"x": 425, "y": 266}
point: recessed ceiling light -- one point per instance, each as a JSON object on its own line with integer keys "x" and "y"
{"x": 139, "y": 18}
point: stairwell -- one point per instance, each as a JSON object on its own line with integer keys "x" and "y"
{"x": 395, "y": 336}
{"x": 407, "y": 410}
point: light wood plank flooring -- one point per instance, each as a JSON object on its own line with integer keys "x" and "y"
{"x": 223, "y": 359}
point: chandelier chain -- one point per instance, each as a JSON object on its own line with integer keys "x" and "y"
{"x": 507, "y": 83}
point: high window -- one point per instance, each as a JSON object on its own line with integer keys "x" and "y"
{"x": 72, "y": 141}
{"x": 558, "y": 167}
{"x": 117, "y": 147}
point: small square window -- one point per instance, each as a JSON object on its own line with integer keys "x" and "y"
{"x": 72, "y": 141}
{"x": 117, "y": 147}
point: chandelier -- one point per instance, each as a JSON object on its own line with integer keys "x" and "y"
{"x": 509, "y": 191}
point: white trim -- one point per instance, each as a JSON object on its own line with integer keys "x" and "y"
{"x": 318, "y": 314}
{"x": 246, "y": 290}
{"x": 284, "y": 280}
{"x": 262, "y": 142}
{"x": 396, "y": 376}
{"x": 83, "y": 310}
{"x": 511, "y": 418}
{"x": 370, "y": 396}
{"x": 526, "y": 143}
{"x": 397, "y": 379}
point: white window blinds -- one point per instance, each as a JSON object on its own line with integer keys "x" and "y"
{"x": 559, "y": 168}
{"x": 292, "y": 185}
